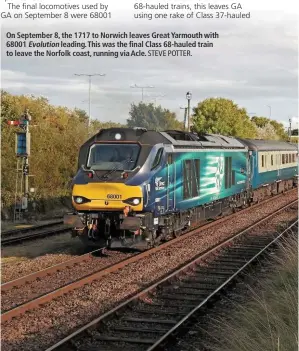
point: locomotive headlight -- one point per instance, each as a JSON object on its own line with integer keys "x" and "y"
{"x": 133, "y": 201}
{"x": 80, "y": 200}
{"x": 117, "y": 136}
{"x": 136, "y": 201}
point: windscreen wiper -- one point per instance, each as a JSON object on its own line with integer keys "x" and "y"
{"x": 109, "y": 172}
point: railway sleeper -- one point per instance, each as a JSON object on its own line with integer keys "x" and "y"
{"x": 139, "y": 330}
{"x": 215, "y": 270}
{"x": 231, "y": 260}
{"x": 188, "y": 291}
{"x": 125, "y": 340}
{"x": 202, "y": 287}
{"x": 227, "y": 265}
{"x": 163, "y": 312}
{"x": 204, "y": 280}
{"x": 241, "y": 250}
{"x": 148, "y": 320}
{"x": 167, "y": 304}
{"x": 174, "y": 296}
{"x": 213, "y": 276}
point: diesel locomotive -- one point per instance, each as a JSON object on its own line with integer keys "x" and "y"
{"x": 137, "y": 187}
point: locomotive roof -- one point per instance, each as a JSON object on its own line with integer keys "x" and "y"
{"x": 268, "y": 145}
{"x": 184, "y": 139}
{"x": 179, "y": 139}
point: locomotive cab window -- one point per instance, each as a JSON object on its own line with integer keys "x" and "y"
{"x": 108, "y": 157}
{"x": 157, "y": 159}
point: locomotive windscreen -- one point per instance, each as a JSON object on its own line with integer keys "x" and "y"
{"x": 108, "y": 157}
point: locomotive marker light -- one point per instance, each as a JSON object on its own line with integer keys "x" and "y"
{"x": 188, "y": 97}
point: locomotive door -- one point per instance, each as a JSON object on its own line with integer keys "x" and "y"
{"x": 170, "y": 192}
{"x": 250, "y": 168}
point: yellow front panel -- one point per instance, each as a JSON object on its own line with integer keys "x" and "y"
{"x": 101, "y": 196}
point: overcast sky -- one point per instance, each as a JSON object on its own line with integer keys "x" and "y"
{"x": 254, "y": 63}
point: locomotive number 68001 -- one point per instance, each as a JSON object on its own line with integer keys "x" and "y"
{"x": 114, "y": 196}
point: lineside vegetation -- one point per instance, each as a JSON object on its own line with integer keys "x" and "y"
{"x": 269, "y": 320}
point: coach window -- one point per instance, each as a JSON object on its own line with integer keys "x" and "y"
{"x": 293, "y": 158}
{"x": 287, "y": 159}
{"x": 290, "y": 158}
{"x": 272, "y": 160}
{"x": 283, "y": 159}
{"x": 157, "y": 158}
{"x": 263, "y": 161}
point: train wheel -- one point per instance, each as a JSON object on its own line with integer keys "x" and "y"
{"x": 177, "y": 233}
{"x": 153, "y": 239}
{"x": 109, "y": 243}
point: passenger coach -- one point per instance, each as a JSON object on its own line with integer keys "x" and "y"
{"x": 273, "y": 166}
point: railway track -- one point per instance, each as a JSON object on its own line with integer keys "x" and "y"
{"x": 19, "y": 289}
{"x": 87, "y": 279}
{"x": 152, "y": 319}
{"x": 14, "y": 236}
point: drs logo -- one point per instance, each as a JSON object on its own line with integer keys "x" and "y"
{"x": 114, "y": 196}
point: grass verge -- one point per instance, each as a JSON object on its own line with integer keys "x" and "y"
{"x": 268, "y": 319}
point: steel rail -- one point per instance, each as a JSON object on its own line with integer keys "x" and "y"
{"x": 47, "y": 271}
{"x": 27, "y": 229}
{"x": 32, "y": 304}
{"x": 53, "y": 269}
{"x": 21, "y": 238}
{"x": 69, "y": 340}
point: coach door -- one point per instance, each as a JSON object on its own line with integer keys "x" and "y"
{"x": 170, "y": 192}
{"x": 250, "y": 168}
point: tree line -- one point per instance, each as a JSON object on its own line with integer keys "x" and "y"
{"x": 57, "y": 133}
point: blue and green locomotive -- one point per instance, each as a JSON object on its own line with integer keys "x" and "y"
{"x": 139, "y": 186}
